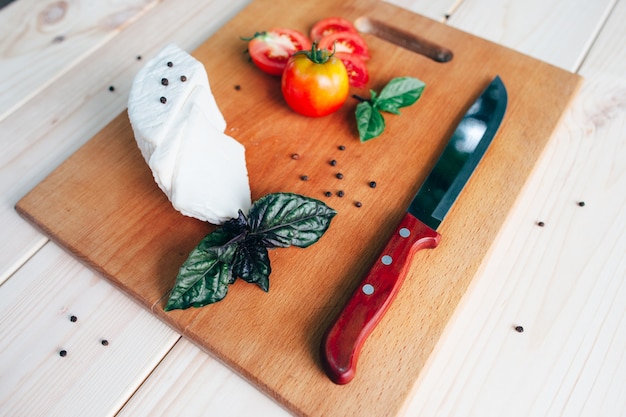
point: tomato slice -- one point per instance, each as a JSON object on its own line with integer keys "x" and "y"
{"x": 348, "y": 42}
{"x": 330, "y": 25}
{"x": 358, "y": 75}
{"x": 270, "y": 50}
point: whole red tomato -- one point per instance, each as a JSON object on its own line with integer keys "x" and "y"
{"x": 315, "y": 83}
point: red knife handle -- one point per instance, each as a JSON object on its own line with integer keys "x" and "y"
{"x": 344, "y": 339}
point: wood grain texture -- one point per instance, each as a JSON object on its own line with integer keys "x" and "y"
{"x": 35, "y": 41}
{"x": 36, "y": 305}
{"x": 118, "y": 218}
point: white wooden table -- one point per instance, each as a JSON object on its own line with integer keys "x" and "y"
{"x": 65, "y": 72}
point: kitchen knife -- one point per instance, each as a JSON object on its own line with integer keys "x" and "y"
{"x": 417, "y": 230}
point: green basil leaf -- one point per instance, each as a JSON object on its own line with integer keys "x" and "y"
{"x": 204, "y": 277}
{"x": 399, "y": 92}
{"x": 285, "y": 219}
{"x": 252, "y": 264}
{"x": 369, "y": 121}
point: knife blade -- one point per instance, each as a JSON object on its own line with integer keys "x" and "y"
{"x": 342, "y": 342}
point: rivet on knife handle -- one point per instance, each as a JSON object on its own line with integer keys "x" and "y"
{"x": 343, "y": 341}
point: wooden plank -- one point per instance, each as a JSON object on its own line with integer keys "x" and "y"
{"x": 66, "y": 113}
{"x": 92, "y": 379}
{"x": 191, "y": 383}
{"x": 438, "y": 10}
{"x": 525, "y": 26}
{"x": 42, "y": 40}
{"x": 565, "y": 283}
{"x": 297, "y": 379}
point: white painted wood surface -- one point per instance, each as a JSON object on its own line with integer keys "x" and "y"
{"x": 564, "y": 282}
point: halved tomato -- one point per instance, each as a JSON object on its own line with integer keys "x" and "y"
{"x": 348, "y": 42}
{"x": 271, "y": 50}
{"x": 357, "y": 71}
{"x": 330, "y": 25}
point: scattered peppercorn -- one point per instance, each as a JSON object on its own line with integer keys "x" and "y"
{"x": 541, "y": 224}
{"x": 342, "y": 148}
{"x": 581, "y": 203}
{"x": 104, "y": 342}
{"x": 519, "y": 329}
{"x": 164, "y": 81}
{"x": 59, "y": 38}
{"x": 163, "y": 100}
{"x": 333, "y": 162}
{"x": 73, "y": 319}
{"x": 183, "y": 78}
{"x": 138, "y": 57}
{"x": 339, "y": 175}
{"x": 340, "y": 193}
{"x": 111, "y": 88}
{"x": 63, "y": 353}
{"x": 295, "y": 156}
{"x": 170, "y": 64}
{"x": 372, "y": 184}
{"x": 237, "y": 87}
{"x": 328, "y": 194}
{"x": 304, "y": 177}
{"x": 358, "y": 203}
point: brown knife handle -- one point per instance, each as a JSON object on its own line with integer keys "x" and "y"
{"x": 342, "y": 342}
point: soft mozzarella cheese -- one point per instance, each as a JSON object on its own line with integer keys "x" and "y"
{"x": 180, "y": 132}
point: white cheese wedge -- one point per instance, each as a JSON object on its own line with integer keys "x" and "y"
{"x": 180, "y": 132}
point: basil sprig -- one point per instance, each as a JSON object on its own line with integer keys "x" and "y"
{"x": 239, "y": 247}
{"x": 399, "y": 92}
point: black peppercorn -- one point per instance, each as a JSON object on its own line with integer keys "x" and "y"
{"x": 63, "y": 353}
{"x": 340, "y": 193}
{"x": 541, "y": 224}
{"x": 339, "y": 175}
{"x": 104, "y": 342}
{"x": 138, "y": 57}
{"x": 237, "y": 87}
{"x": 183, "y": 78}
{"x": 358, "y": 204}
{"x": 111, "y": 88}
{"x": 170, "y": 64}
{"x": 328, "y": 194}
{"x": 581, "y": 203}
{"x": 304, "y": 177}
{"x": 295, "y": 156}
{"x": 342, "y": 148}
{"x": 73, "y": 319}
{"x": 373, "y": 184}
{"x": 333, "y": 162}
{"x": 519, "y": 329}
{"x": 163, "y": 100}
{"x": 164, "y": 81}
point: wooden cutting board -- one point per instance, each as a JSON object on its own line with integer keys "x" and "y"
{"x": 104, "y": 207}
